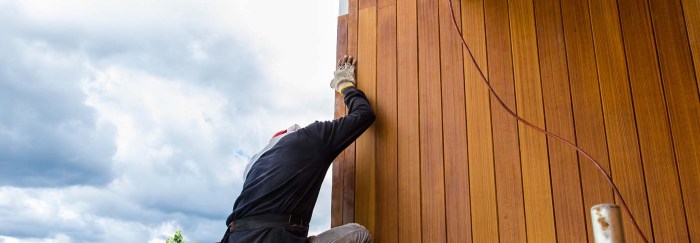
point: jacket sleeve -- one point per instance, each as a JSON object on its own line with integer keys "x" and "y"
{"x": 338, "y": 134}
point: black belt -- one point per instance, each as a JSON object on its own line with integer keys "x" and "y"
{"x": 266, "y": 221}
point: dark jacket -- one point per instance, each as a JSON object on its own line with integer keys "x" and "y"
{"x": 287, "y": 178}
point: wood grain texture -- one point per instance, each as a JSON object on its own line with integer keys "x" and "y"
{"x": 386, "y": 3}
{"x": 691, "y": 8}
{"x": 647, "y": 95}
{"x": 539, "y": 211}
{"x": 509, "y": 188}
{"x": 366, "y": 213}
{"x": 457, "y": 207}
{"x": 570, "y": 215}
{"x": 445, "y": 163}
{"x": 482, "y": 182}
{"x": 367, "y": 4}
{"x": 340, "y": 110}
{"x": 387, "y": 179}
{"x": 683, "y": 105}
{"x": 586, "y": 103}
{"x": 349, "y": 167}
{"x": 430, "y": 110}
{"x": 618, "y": 111}
{"x": 408, "y": 126}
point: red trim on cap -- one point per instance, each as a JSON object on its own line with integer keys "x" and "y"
{"x": 279, "y": 133}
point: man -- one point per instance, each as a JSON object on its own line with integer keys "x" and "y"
{"x": 282, "y": 182}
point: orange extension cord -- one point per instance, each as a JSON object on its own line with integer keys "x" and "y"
{"x": 557, "y": 137}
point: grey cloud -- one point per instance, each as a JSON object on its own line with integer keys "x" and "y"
{"x": 105, "y": 216}
{"x": 49, "y": 137}
{"x": 161, "y": 45}
{"x": 45, "y": 127}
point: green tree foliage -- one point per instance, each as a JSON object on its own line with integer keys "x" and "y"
{"x": 177, "y": 238}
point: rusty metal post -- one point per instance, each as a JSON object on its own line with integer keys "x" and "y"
{"x": 607, "y": 224}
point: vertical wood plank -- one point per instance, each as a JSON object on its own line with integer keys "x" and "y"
{"x": 691, "y": 8}
{"x": 365, "y": 212}
{"x": 621, "y": 129}
{"x": 367, "y": 3}
{"x": 386, "y": 3}
{"x": 539, "y": 211}
{"x": 479, "y": 133}
{"x": 586, "y": 103}
{"x": 430, "y": 110}
{"x": 566, "y": 182}
{"x": 350, "y": 156}
{"x": 647, "y": 94}
{"x": 454, "y": 120}
{"x": 683, "y": 108}
{"x": 432, "y": 175}
{"x": 509, "y": 188}
{"x": 337, "y": 187}
{"x": 408, "y": 126}
{"x": 387, "y": 194}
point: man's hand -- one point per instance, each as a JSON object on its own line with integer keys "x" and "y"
{"x": 344, "y": 75}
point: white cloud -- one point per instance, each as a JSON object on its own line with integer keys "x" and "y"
{"x": 161, "y": 101}
{"x": 60, "y": 238}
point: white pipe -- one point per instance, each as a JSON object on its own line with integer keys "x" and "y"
{"x": 607, "y": 224}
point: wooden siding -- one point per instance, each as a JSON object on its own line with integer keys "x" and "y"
{"x": 444, "y": 162}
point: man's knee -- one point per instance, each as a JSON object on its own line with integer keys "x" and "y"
{"x": 356, "y": 226}
{"x": 348, "y": 233}
{"x": 357, "y": 232}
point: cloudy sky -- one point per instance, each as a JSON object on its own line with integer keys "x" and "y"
{"x": 124, "y": 120}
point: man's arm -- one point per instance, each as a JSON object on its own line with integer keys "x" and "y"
{"x": 338, "y": 134}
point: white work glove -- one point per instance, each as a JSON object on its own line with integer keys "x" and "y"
{"x": 344, "y": 75}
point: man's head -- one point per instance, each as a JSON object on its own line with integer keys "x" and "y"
{"x": 291, "y": 129}
{"x": 275, "y": 138}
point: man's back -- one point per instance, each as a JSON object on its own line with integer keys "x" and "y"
{"x": 286, "y": 179}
